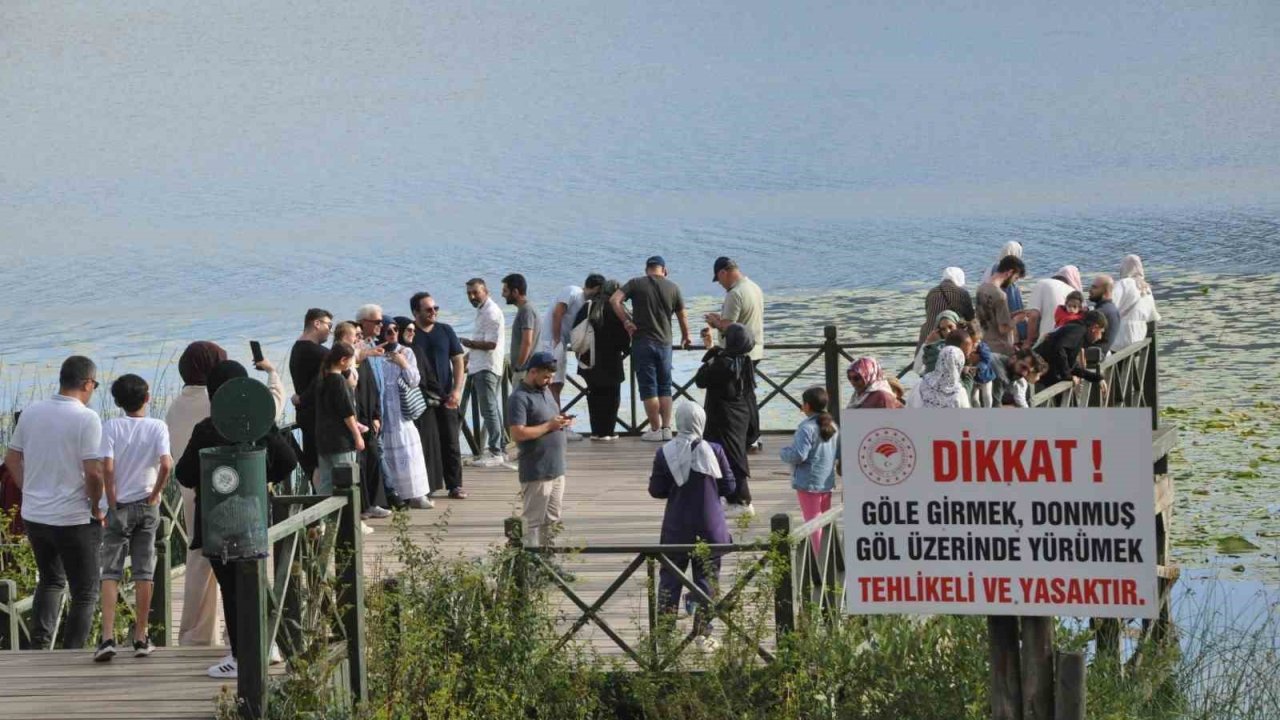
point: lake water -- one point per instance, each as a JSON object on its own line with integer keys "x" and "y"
{"x": 179, "y": 172}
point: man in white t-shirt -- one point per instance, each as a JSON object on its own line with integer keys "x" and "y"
{"x": 557, "y": 326}
{"x": 486, "y": 363}
{"x": 136, "y": 465}
{"x": 1046, "y": 296}
{"x": 53, "y": 456}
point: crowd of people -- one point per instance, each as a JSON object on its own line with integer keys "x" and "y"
{"x": 384, "y": 394}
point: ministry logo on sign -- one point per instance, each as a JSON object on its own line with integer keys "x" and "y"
{"x": 887, "y": 456}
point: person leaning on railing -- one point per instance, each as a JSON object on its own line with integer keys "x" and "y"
{"x": 281, "y": 461}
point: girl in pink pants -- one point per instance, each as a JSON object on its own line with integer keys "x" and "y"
{"x": 812, "y": 457}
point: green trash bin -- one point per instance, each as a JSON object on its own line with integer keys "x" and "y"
{"x": 233, "y": 479}
{"x": 233, "y": 502}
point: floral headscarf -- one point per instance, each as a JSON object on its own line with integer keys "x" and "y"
{"x": 941, "y": 388}
{"x": 867, "y": 370}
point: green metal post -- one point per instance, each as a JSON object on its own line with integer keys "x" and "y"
{"x": 251, "y": 641}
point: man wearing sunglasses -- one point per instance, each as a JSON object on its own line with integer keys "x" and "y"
{"x": 438, "y": 344}
{"x": 54, "y": 458}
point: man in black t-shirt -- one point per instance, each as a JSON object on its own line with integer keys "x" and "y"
{"x": 305, "y": 359}
{"x": 437, "y": 344}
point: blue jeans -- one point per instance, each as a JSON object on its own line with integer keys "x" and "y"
{"x": 487, "y": 387}
{"x": 652, "y": 362}
{"x": 64, "y": 555}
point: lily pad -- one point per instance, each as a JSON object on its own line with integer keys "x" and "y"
{"x": 1235, "y": 545}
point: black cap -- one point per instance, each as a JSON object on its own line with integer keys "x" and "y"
{"x": 655, "y": 261}
{"x": 540, "y": 359}
{"x": 723, "y": 263}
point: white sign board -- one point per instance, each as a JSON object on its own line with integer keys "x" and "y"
{"x": 999, "y": 512}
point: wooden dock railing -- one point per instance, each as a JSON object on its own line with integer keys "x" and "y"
{"x": 788, "y": 361}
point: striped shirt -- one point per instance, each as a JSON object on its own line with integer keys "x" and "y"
{"x": 946, "y": 296}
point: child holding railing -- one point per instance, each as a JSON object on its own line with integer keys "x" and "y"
{"x": 812, "y": 457}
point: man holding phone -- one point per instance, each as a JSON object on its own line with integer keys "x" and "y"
{"x": 538, "y": 428}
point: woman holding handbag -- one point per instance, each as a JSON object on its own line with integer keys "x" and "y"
{"x": 401, "y": 403}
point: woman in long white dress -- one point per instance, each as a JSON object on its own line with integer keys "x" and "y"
{"x": 401, "y": 446}
{"x": 1135, "y": 302}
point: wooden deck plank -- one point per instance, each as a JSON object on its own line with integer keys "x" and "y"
{"x": 606, "y": 502}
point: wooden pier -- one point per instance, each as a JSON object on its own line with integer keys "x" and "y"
{"x": 606, "y": 501}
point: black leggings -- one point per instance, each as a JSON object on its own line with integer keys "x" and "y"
{"x": 226, "y": 576}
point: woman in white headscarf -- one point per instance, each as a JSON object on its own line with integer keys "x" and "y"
{"x": 691, "y": 474}
{"x": 942, "y": 387}
{"x": 1135, "y": 302}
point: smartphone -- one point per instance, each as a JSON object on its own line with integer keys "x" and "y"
{"x": 256, "y": 348}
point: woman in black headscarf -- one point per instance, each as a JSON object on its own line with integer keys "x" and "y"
{"x": 726, "y": 376}
{"x": 606, "y": 371}
{"x": 281, "y": 462}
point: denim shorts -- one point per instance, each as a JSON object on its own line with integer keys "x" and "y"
{"x": 652, "y": 362}
{"x": 324, "y": 470}
{"x": 130, "y": 534}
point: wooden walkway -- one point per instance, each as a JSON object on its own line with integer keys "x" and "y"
{"x": 606, "y": 502}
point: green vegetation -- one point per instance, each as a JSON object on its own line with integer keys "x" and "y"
{"x": 460, "y": 639}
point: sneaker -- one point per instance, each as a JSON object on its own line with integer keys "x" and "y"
{"x": 735, "y": 510}
{"x": 275, "y": 657}
{"x": 667, "y": 434}
{"x": 143, "y": 647}
{"x": 654, "y": 436}
{"x": 458, "y": 494}
{"x": 420, "y": 503}
{"x": 365, "y": 529}
{"x": 106, "y": 650}
{"x": 490, "y": 460}
{"x": 706, "y": 643}
{"x": 376, "y": 513}
{"x": 603, "y": 438}
{"x": 573, "y": 437}
{"x": 508, "y": 465}
{"x": 226, "y": 669}
{"x": 755, "y": 448}
{"x": 436, "y": 493}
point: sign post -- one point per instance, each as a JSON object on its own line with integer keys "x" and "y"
{"x": 1042, "y": 513}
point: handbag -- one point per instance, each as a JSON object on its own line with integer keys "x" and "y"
{"x": 412, "y": 403}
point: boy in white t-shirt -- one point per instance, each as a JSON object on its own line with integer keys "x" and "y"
{"x": 136, "y": 464}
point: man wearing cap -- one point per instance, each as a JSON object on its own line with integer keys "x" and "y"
{"x": 743, "y": 304}
{"x": 654, "y": 299}
{"x": 539, "y": 430}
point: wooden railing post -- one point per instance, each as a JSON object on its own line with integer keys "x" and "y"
{"x": 831, "y": 362}
{"x": 350, "y": 564}
{"x": 513, "y": 528}
{"x": 784, "y": 605}
{"x": 251, "y": 641}
{"x": 1037, "y": 668}
{"x": 1006, "y": 680}
{"x": 1151, "y": 392}
{"x": 9, "y": 639}
{"x": 1069, "y": 694}
{"x": 162, "y": 596}
{"x": 290, "y": 609}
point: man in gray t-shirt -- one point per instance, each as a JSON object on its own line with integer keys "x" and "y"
{"x": 526, "y": 331}
{"x": 654, "y": 299}
{"x": 539, "y": 430}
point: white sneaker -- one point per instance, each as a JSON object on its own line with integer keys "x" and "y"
{"x": 654, "y": 436}
{"x": 375, "y": 513}
{"x": 706, "y": 643}
{"x": 275, "y": 657}
{"x": 667, "y": 434}
{"x": 573, "y": 437}
{"x": 226, "y": 669}
{"x": 490, "y": 460}
{"x": 365, "y": 529}
{"x": 747, "y": 510}
{"x": 507, "y": 464}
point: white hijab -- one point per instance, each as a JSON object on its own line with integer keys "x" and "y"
{"x": 686, "y": 452}
{"x": 941, "y": 388}
{"x": 1013, "y": 248}
{"x": 955, "y": 275}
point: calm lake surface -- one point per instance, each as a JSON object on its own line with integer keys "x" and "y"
{"x": 173, "y": 173}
